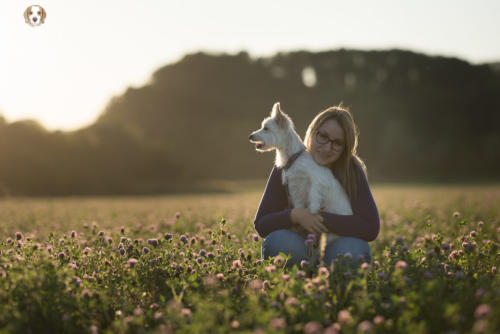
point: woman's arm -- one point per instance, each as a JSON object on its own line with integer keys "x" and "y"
{"x": 273, "y": 213}
{"x": 364, "y": 223}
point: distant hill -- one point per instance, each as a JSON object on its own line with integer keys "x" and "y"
{"x": 421, "y": 118}
{"x": 495, "y": 66}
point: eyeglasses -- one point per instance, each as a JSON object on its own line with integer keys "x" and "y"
{"x": 322, "y": 139}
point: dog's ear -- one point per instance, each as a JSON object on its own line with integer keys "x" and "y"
{"x": 26, "y": 15}
{"x": 276, "y": 110}
{"x": 277, "y": 115}
{"x": 44, "y": 15}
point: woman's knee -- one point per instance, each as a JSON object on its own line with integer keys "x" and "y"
{"x": 285, "y": 241}
{"x": 354, "y": 251}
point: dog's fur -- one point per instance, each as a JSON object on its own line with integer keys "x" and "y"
{"x": 35, "y": 15}
{"x": 310, "y": 185}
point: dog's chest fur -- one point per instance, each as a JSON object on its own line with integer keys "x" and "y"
{"x": 312, "y": 186}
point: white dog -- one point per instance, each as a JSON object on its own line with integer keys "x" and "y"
{"x": 35, "y": 15}
{"x": 309, "y": 184}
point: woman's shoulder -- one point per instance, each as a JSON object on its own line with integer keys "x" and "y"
{"x": 360, "y": 171}
{"x": 276, "y": 171}
{"x": 359, "y": 166}
{"x": 275, "y": 176}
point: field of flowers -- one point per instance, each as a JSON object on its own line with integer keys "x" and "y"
{"x": 191, "y": 264}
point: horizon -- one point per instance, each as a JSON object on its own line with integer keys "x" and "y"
{"x": 101, "y": 56}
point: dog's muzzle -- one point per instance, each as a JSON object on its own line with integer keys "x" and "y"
{"x": 258, "y": 144}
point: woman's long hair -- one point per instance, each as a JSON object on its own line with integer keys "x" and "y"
{"x": 344, "y": 168}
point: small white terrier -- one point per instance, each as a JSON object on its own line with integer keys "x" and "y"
{"x": 309, "y": 184}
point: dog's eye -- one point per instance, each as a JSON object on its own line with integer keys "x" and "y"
{"x": 265, "y": 128}
{"x": 38, "y": 12}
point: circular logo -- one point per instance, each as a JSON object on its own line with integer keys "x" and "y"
{"x": 35, "y": 15}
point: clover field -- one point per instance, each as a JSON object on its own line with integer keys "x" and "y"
{"x": 191, "y": 264}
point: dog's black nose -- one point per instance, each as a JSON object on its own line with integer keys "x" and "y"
{"x": 250, "y": 137}
{"x": 34, "y": 19}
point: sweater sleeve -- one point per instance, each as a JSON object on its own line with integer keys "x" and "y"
{"x": 364, "y": 223}
{"x": 273, "y": 213}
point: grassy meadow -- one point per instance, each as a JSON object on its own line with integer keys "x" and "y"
{"x": 191, "y": 264}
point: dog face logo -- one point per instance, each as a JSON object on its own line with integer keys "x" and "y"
{"x": 35, "y": 15}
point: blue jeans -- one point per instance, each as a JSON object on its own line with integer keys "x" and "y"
{"x": 290, "y": 242}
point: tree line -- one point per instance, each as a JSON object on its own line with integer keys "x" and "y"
{"x": 421, "y": 119}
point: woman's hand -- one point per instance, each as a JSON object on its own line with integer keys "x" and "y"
{"x": 310, "y": 222}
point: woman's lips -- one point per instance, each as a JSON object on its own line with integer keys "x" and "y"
{"x": 325, "y": 156}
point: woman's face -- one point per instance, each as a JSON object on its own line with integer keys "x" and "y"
{"x": 327, "y": 143}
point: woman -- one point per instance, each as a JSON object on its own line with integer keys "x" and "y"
{"x": 331, "y": 139}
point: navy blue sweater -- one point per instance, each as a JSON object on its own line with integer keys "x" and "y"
{"x": 274, "y": 214}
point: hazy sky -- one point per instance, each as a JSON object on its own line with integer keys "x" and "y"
{"x": 64, "y": 72}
